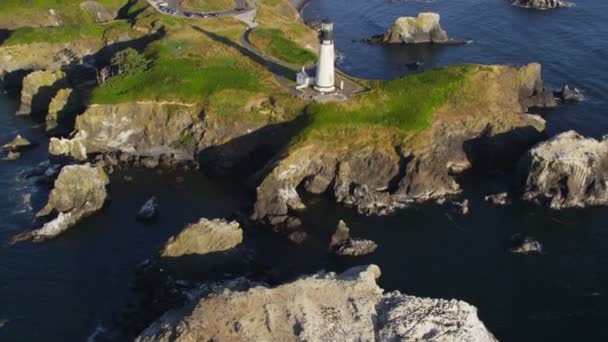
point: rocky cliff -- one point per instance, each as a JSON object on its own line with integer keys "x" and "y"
{"x": 322, "y": 307}
{"x": 39, "y": 87}
{"x": 489, "y": 126}
{"x": 542, "y": 4}
{"x": 566, "y": 171}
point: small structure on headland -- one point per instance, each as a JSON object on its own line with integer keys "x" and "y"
{"x": 328, "y": 84}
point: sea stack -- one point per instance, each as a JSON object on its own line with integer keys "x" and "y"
{"x": 424, "y": 28}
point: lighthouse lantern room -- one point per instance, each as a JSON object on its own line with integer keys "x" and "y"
{"x": 324, "y": 81}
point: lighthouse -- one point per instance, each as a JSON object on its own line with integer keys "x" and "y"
{"x": 324, "y": 82}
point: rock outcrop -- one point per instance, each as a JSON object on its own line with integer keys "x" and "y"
{"x": 203, "y": 237}
{"x": 526, "y": 245}
{"x": 566, "y": 171}
{"x": 74, "y": 147}
{"x": 379, "y": 179}
{"x": 63, "y": 108}
{"x": 98, "y": 12}
{"x": 322, "y": 307}
{"x": 39, "y": 87}
{"x": 542, "y": 4}
{"x": 424, "y": 28}
{"x": 343, "y": 245}
{"x": 17, "y": 144}
{"x": 79, "y": 191}
{"x": 148, "y": 211}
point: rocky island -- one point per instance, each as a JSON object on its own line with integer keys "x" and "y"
{"x": 126, "y": 84}
{"x": 542, "y": 4}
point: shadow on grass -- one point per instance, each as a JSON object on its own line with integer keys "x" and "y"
{"x": 271, "y": 66}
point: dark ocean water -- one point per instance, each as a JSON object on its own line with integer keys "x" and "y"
{"x": 69, "y": 288}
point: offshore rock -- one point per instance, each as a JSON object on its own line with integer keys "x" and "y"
{"x": 203, "y": 237}
{"x": 321, "y": 307}
{"x": 542, "y": 4}
{"x": 79, "y": 191}
{"x": 568, "y": 170}
{"x": 39, "y": 87}
{"x": 381, "y": 179}
{"x": 526, "y": 245}
{"x": 498, "y": 199}
{"x": 12, "y": 156}
{"x": 343, "y": 245}
{"x": 149, "y": 210}
{"x": 424, "y": 28}
{"x": 570, "y": 94}
{"x": 17, "y": 144}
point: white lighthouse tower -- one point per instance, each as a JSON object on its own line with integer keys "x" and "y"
{"x": 324, "y": 82}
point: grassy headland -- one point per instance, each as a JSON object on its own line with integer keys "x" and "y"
{"x": 19, "y": 13}
{"x": 390, "y": 110}
{"x": 276, "y": 44}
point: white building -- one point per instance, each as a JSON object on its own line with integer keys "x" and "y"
{"x": 303, "y": 79}
{"x": 324, "y": 82}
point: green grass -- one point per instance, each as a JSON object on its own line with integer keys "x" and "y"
{"x": 404, "y": 104}
{"x": 173, "y": 77}
{"x": 62, "y": 34}
{"x": 276, "y": 44}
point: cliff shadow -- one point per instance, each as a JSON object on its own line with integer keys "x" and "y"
{"x": 246, "y": 155}
{"x": 501, "y": 150}
{"x": 43, "y": 97}
{"x": 12, "y": 82}
{"x": 271, "y": 66}
{"x": 4, "y": 34}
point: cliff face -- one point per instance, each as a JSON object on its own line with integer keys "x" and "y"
{"x": 150, "y": 128}
{"x": 51, "y": 56}
{"x": 39, "y": 87}
{"x": 322, "y": 307}
{"x": 489, "y": 126}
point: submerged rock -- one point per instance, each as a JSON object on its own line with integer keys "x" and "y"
{"x": 79, "y": 191}
{"x": 498, "y": 199}
{"x": 542, "y": 4}
{"x": 149, "y": 210}
{"x": 568, "y": 170}
{"x": 343, "y": 245}
{"x": 322, "y": 307}
{"x": 568, "y": 94}
{"x": 17, "y": 143}
{"x": 526, "y": 245}
{"x": 203, "y": 237}
{"x": 424, "y": 28}
{"x": 12, "y": 156}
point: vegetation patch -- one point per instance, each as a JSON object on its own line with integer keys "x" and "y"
{"x": 208, "y": 5}
{"x": 403, "y": 106}
{"x": 175, "y": 77}
{"x": 62, "y": 34}
{"x": 274, "y": 43}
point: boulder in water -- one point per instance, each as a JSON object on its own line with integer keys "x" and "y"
{"x": 568, "y": 94}
{"x": 17, "y": 144}
{"x": 542, "y": 4}
{"x": 424, "y": 28}
{"x": 149, "y": 210}
{"x": 526, "y": 245}
{"x": 322, "y": 307}
{"x": 498, "y": 199}
{"x": 12, "y": 156}
{"x": 343, "y": 245}
{"x": 203, "y": 237}
{"x": 79, "y": 191}
{"x": 568, "y": 170}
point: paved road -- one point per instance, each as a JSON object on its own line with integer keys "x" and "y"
{"x": 239, "y": 9}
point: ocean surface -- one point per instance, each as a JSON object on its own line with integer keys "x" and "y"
{"x": 74, "y": 288}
